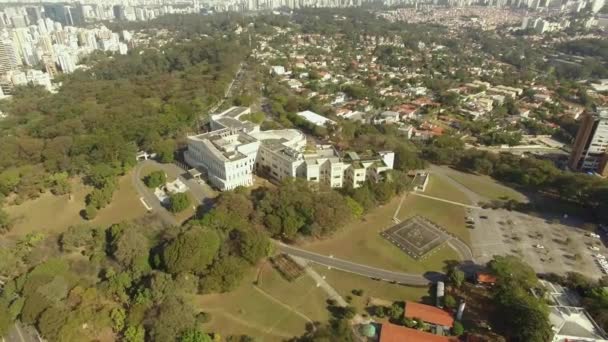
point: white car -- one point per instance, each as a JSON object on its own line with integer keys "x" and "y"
{"x": 594, "y": 248}
{"x": 539, "y": 246}
{"x": 599, "y": 256}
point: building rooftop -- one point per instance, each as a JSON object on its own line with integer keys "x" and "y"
{"x": 486, "y": 278}
{"x": 428, "y": 313}
{"x": 224, "y": 143}
{"x": 229, "y": 122}
{"x": 396, "y": 333}
{"x": 315, "y": 118}
{"x": 575, "y": 323}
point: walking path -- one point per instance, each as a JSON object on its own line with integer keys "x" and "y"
{"x": 278, "y": 301}
{"x": 446, "y": 201}
{"x": 331, "y": 292}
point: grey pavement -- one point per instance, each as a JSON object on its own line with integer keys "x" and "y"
{"x": 445, "y": 200}
{"x": 150, "y": 198}
{"x": 331, "y": 292}
{"x": 20, "y": 333}
{"x": 201, "y": 192}
{"x": 364, "y": 270}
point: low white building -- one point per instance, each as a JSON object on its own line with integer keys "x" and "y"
{"x": 231, "y": 153}
{"x": 316, "y": 119}
{"x": 278, "y": 70}
{"x": 569, "y": 321}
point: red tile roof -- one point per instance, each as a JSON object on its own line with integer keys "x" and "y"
{"x": 395, "y": 333}
{"x": 428, "y": 313}
{"x": 486, "y": 278}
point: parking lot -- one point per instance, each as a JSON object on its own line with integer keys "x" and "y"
{"x": 548, "y": 245}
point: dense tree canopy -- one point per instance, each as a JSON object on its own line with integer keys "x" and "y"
{"x": 191, "y": 251}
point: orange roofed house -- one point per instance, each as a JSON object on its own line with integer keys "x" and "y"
{"x": 396, "y": 333}
{"x": 485, "y": 278}
{"x": 429, "y": 314}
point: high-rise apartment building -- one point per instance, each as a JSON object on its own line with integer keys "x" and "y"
{"x": 8, "y": 57}
{"x": 591, "y": 143}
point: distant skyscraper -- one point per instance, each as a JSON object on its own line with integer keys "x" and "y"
{"x": 33, "y": 14}
{"x": 66, "y": 62}
{"x": 67, "y": 15}
{"x": 8, "y": 57}
{"x": 119, "y": 12}
{"x": 591, "y": 143}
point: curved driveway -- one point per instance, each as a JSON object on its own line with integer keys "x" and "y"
{"x": 364, "y": 270}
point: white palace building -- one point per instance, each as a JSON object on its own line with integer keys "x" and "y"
{"x": 236, "y": 148}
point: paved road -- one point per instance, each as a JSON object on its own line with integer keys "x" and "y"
{"x": 20, "y": 333}
{"x": 364, "y": 270}
{"x": 149, "y": 196}
{"x": 228, "y": 91}
{"x": 463, "y": 250}
{"x": 201, "y": 192}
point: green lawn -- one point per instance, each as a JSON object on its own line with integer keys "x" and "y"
{"x": 438, "y": 187}
{"x": 51, "y": 214}
{"x": 485, "y": 186}
{"x": 449, "y": 216}
{"x": 301, "y": 294}
{"x": 149, "y": 168}
{"x": 345, "y": 282}
{"x": 268, "y": 317}
{"x": 361, "y": 242}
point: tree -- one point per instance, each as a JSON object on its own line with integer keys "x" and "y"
{"x": 449, "y": 301}
{"x": 5, "y": 222}
{"x": 225, "y": 275}
{"x": 102, "y": 174}
{"x": 135, "y": 334}
{"x": 165, "y": 150}
{"x": 178, "y": 202}
{"x": 82, "y": 237}
{"x": 192, "y": 251}
{"x": 456, "y": 276}
{"x": 118, "y": 316}
{"x": 130, "y": 247}
{"x": 457, "y": 329}
{"x": 155, "y": 179}
{"x": 513, "y": 271}
{"x": 254, "y": 245}
{"x": 172, "y": 317}
{"x": 90, "y": 212}
{"x": 194, "y": 335}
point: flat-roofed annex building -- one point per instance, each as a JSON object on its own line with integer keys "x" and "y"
{"x": 235, "y": 149}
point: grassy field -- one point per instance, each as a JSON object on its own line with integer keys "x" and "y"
{"x": 485, "y": 186}
{"x": 438, "y": 187}
{"x": 301, "y": 294}
{"x": 345, "y": 282}
{"x": 149, "y": 168}
{"x": 51, "y": 214}
{"x": 361, "y": 241}
{"x": 450, "y": 217}
{"x": 274, "y": 311}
